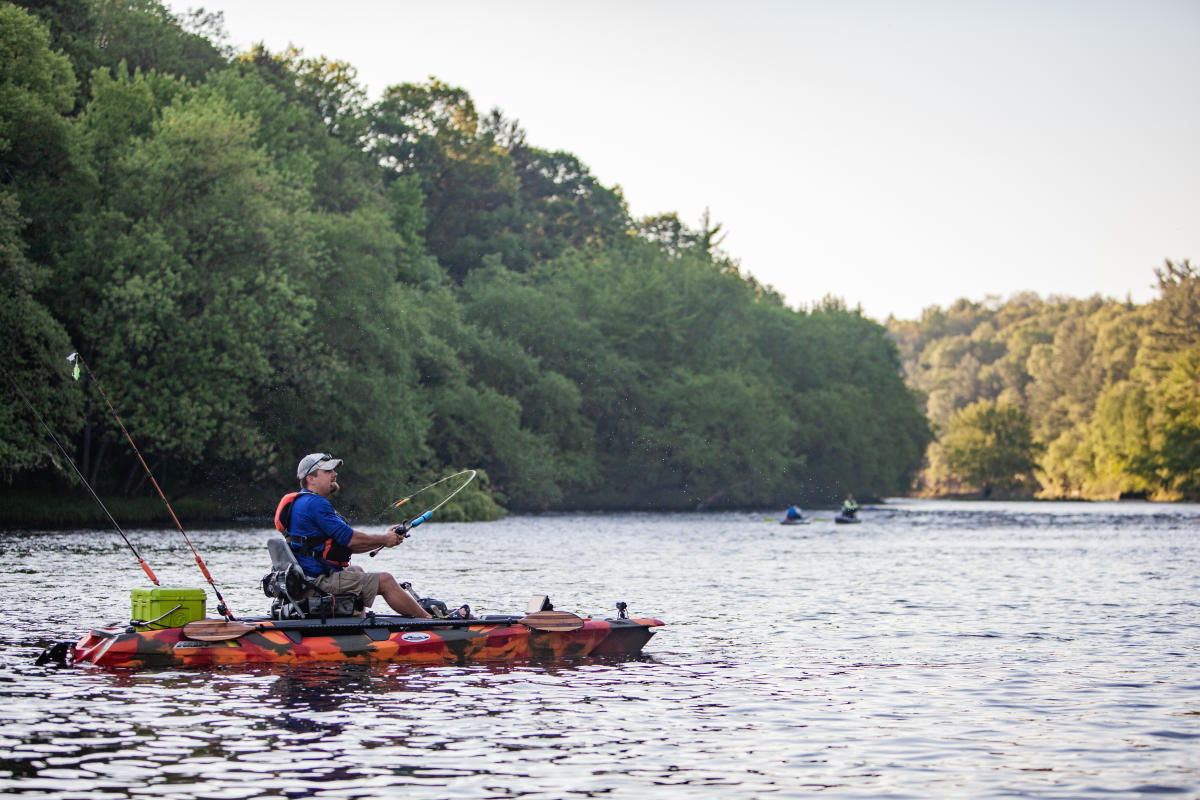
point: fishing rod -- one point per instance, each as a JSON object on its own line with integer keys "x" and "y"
{"x": 404, "y": 527}
{"x": 145, "y": 567}
{"x": 222, "y": 607}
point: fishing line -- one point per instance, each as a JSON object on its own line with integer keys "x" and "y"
{"x": 222, "y": 608}
{"x": 145, "y": 567}
{"x": 470, "y": 473}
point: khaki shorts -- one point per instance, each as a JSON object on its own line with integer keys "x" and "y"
{"x": 351, "y": 581}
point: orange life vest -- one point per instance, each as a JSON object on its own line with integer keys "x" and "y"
{"x": 326, "y": 550}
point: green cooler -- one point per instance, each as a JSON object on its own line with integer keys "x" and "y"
{"x": 165, "y": 607}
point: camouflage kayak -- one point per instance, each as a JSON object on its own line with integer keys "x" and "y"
{"x": 547, "y": 635}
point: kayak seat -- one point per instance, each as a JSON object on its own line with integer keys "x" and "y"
{"x": 294, "y": 595}
{"x": 283, "y": 559}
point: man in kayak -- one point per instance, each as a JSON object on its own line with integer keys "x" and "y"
{"x": 323, "y": 542}
{"x": 849, "y": 507}
{"x": 794, "y": 513}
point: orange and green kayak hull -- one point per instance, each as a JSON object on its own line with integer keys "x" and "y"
{"x": 374, "y": 640}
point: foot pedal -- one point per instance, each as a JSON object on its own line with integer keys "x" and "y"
{"x": 434, "y": 608}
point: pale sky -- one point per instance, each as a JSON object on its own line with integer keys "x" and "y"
{"x": 895, "y": 154}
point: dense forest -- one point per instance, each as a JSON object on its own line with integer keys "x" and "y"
{"x": 256, "y": 262}
{"x": 1093, "y": 398}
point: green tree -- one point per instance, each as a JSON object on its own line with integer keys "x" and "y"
{"x": 313, "y": 120}
{"x": 507, "y": 352}
{"x": 1086, "y": 372}
{"x": 1115, "y": 443}
{"x": 991, "y": 446}
{"x": 1171, "y": 366}
{"x": 1177, "y": 460}
{"x": 190, "y": 262}
{"x": 699, "y": 386}
{"x": 565, "y": 204}
{"x": 72, "y": 25}
{"x": 361, "y": 362}
{"x": 470, "y": 185}
{"x": 32, "y": 354}
{"x": 36, "y": 87}
{"x": 36, "y": 91}
{"x": 1176, "y": 314}
{"x": 145, "y": 36}
{"x": 36, "y": 151}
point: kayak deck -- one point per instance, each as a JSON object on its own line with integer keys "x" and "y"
{"x": 374, "y": 638}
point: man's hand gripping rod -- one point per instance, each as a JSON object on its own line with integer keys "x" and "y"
{"x": 403, "y": 528}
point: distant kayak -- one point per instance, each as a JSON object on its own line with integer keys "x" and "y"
{"x": 846, "y": 520}
{"x": 801, "y": 521}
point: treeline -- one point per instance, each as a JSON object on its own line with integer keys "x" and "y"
{"x": 1063, "y": 398}
{"x": 258, "y": 263}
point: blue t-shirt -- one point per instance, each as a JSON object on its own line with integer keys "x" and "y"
{"x": 313, "y": 515}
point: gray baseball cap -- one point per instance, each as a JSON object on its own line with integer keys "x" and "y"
{"x": 315, "y": 461}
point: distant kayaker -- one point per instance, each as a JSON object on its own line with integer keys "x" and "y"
{"x": 323, "y": 542}
{"x": 794, "y": 512}
{"x": 849, "y": 507}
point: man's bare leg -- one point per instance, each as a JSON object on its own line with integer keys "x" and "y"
{"x": 401, "y": 601}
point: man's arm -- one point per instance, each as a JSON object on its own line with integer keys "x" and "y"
{"x": 361, "y": 542}
{"x": 332, "y": 524}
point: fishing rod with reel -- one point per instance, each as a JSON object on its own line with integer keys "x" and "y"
{"x": 404, "y": 527}
{"x": 222, "y": 606}
{"x": 141, "y": 561}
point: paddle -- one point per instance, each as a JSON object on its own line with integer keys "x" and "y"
{"x": 216, "y": 630}
{"x": 552, "y": 621}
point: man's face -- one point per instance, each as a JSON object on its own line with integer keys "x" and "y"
{"x": 323, "y": 482}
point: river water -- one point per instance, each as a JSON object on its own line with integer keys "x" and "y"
{"x": 937, "y": 649}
